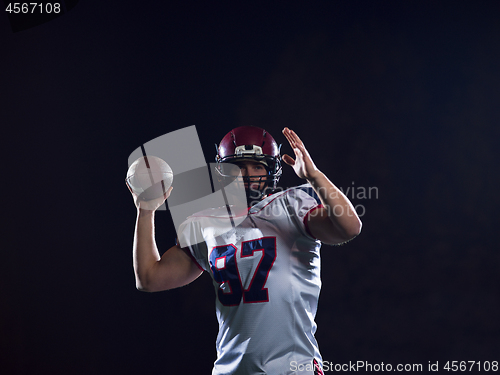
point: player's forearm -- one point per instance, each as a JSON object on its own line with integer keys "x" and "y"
{"x": 340, "y": 210}
{"x": 145, "y": 253}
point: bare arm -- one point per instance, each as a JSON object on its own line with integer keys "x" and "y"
{"x": 337, "y": 221}
{"x": 152, "y": 272}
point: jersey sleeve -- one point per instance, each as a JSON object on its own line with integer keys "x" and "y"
{"x": 189, "y": 235}
{"x": 303, "y": 201}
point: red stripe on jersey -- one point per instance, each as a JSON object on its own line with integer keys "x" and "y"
{"x": 306, "y": 217}
{"x": 317, "y": 368}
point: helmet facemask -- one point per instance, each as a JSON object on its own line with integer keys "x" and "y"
{"x": 256, "y": 187}
{"x": 248, "y": 143}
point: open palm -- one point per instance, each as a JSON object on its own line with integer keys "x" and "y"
{"x": 302, "y": 164}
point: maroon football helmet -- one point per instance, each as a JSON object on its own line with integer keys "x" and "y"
{"x": 255, "y": 144}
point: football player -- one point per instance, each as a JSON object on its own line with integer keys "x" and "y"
{"x": 266, "y": 269}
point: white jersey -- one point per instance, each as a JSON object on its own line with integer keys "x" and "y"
{"x": 266, "y": 274}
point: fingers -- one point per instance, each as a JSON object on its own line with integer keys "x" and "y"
{"x": 129, "y": 188}
{"x": 167, "y": 194}
{"x": 288, "y": 136}
{"x": 149, "y": 205}
{"x": 296, "y": 144}
{"x": 293, "y": 138}
{"x": 288, "y": 160}
{"x": 161, "y": 199}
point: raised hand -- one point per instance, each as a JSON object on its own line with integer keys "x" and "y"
{"x": 151, "y": 205}
{"x": 302, "y": 164}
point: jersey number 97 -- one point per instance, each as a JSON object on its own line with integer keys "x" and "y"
{"x": 224, "y": 266}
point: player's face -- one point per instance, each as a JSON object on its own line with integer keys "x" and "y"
{"x": 253, "y": 170}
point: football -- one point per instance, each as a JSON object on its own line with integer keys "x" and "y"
{"x": 149, "y": 177}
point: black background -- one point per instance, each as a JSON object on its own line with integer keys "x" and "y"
{"x": 398, "y": 96}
